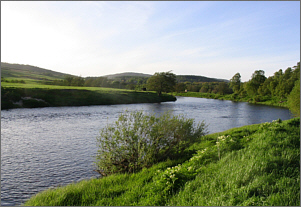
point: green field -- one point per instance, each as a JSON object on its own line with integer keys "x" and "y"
{"x": 43, "y": 86}
{"x": 256, "y": 165}
{"x": 32, "y": 95}
{"x": 36, "y": 91}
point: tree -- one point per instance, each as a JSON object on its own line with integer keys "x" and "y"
{"x": 235, "y": 82}
{"x": 293, "y": 99}
{"x": 68, "y": 80}
{"x": 162, "y": 82}
{"x": 180, "y": 87}
{"x": 257, "y": 80}
{"x": 222, "y": 88}
{"x": 265, "y": 88}
{"x": 204, "y": 88}
{"x": 78, "y": 81}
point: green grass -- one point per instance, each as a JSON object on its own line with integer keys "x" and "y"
{"x": 50, "y": 95}
{"x": 35, "y": 85}
{"x": 251, "y": 165}
{"x": 17, "y": 71}
{"x": 265, "y": 100}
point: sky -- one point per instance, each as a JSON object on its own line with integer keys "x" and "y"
{"x": 216, "y": 39}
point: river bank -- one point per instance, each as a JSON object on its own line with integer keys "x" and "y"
{"x": 264, "y": 100}
{"x": 17, "y": 97}
{"x": 234, "y": 167}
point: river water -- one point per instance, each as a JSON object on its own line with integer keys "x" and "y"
{"x": 48, "y": 147}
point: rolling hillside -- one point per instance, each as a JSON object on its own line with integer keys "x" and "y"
{"x": 19, "y": 71}
{"x": 129, "y": 74}
{"x": 195, "y": 78}
{"x": 180, "y": 78}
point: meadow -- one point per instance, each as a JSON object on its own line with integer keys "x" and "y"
{"x": 256, "y": 165}
{"x": 25, "y": 86}
{"x": 30, "y": 95}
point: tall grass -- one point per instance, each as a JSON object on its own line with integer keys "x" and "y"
{"x": 258, "y": 165}
{"x": 265, "y": 172}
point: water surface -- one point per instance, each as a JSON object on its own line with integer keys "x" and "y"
{"x": 49, "y": 147}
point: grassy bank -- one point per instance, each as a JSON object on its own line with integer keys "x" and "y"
{"x": 251, "y": 165}
{"x": 262, "y": 100}
{"x": 30, "y": 96}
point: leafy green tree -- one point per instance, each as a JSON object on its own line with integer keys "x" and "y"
{"x": 257, "y": 79}
{"x": 294, "y": 99}
{"x": 235, "y": 83}
{"x": 223, "y": 88}
{"x": 162, "y": 82}
{"x": 131, "y": 86}
{"x": 78, "y": 81}
{"x": 296, "y": 71}
{"x": 180, "y": 87}
{"x": 115, "y": 84}
{"x": 68, "y": 80}
{"x": 264, "y": 89}
{"x": 204, "y": 88}
{"x": 194, "y": 87}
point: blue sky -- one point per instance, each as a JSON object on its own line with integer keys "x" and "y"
{"x": 209, "y": 38}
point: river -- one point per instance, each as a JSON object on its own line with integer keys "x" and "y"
{"x": 48, "y": 147}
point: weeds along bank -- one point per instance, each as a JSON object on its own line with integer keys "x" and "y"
{"x": 265, "y": 101}
{"x": 13, "y": 97}
{"x": 251, "y": 165}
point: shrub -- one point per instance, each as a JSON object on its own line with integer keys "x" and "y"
{"x": 140, "y": 140}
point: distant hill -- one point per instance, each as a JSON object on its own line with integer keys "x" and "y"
{"x": 127, "y": 74}
{"x": 180, "y": 78}
{"x": 195, "y": 78}
{"x": 19, "y": 71}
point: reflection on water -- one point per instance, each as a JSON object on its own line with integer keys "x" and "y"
{"x": 48, "y": 147}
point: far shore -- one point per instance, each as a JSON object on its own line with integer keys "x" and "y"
{"x": 17, "y": 97}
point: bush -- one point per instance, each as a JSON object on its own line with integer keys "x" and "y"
{"x": 139, "y": 140}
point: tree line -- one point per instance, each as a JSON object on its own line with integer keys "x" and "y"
{"x": 259, "y": 88}
{"x": 132, "y": 83}
{"x": 279, "y": 85}
{"x": 283, "y": 86}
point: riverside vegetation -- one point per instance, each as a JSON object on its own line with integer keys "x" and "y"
{"x": 42, "y": 96}
{"x": 24, "y": 86}
{"x": 251, "y": 165}
{"x": 281, "y": 89}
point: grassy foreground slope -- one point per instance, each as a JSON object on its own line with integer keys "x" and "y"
{"x": 251, "y": 165}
